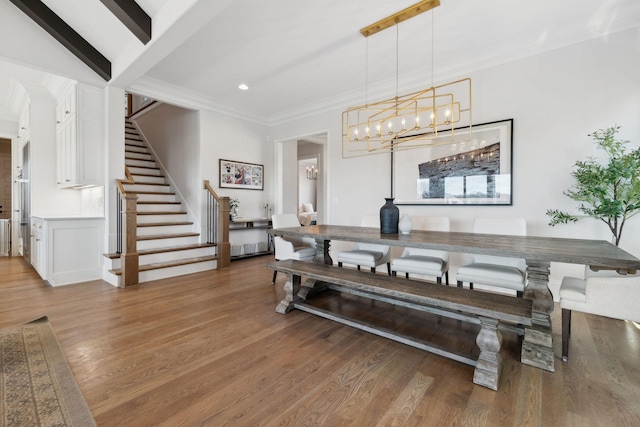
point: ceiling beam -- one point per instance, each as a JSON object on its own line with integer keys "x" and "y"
{"x": 132, "y": 16}
{"x": 398, "y": 17}
{"x": 66, "y": 35}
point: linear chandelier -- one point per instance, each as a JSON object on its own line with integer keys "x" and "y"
{"x": 424, "y": 118}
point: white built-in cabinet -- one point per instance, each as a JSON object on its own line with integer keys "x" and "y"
{"x": 79, "y": 124}
{"x": 67, "y": 250}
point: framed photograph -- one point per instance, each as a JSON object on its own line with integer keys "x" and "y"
{"x": 247, "y": 176}
{"x": 474, "y": 169}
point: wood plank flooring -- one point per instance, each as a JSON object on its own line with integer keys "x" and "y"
{"x": 209, "y": 349}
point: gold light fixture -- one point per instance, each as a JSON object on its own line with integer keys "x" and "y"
{"x": 414, "y": 120}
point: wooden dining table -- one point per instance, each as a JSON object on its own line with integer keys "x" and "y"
{"x": 538, "y": 252}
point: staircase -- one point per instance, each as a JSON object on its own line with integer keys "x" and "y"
{"x": 166, "y": 242}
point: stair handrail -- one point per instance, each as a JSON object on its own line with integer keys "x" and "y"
{"x": 218, "y": 224}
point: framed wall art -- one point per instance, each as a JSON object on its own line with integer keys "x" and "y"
{"x": 476, "y": 169}
{"x": 234, "y": 174}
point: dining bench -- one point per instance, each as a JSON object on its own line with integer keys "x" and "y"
{"x": 489, "y": 310}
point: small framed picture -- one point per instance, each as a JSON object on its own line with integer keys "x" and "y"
{"x": 234, "y": 174}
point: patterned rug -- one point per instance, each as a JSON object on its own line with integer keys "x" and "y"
{"x": 37, "y": 387}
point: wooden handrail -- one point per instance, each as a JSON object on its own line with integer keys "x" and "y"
{"x": 208, "y": 187}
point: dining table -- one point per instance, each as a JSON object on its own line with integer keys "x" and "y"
{"x": 537, "y": 251}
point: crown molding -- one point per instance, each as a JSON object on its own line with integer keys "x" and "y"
{"x": 176, "y": 95}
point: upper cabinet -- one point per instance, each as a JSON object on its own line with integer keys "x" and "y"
{"x": 79, "y": 135}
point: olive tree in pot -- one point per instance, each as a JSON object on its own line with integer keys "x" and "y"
{"x": 607, "y": 192}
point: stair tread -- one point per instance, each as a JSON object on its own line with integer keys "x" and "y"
{"x": 164, "y": 193}
{"x": 147, "y": 174}
{"x": 165, "y": 249}
{"x": 167, "y": 264}
{"x": 150, "y": 183}
{"x": 158, "y": 202}
{"x": 166, "y": 236}
{"x": 161, "y": 213}
{"x": 142, "y": 167}
{"x": 162, "y": 224}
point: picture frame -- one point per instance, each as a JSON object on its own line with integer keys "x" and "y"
{"x": 475, "y": 169}
{"x": 241, "y": 175}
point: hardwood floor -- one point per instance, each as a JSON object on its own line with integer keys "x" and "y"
{"x": 209, "y": 349}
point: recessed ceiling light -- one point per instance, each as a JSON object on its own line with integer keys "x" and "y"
{"x": 243, "y": 86}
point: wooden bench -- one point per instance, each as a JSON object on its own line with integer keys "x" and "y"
{"x": 478, "y": 307}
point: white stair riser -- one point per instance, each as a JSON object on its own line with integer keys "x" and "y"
{"x": 133, "y": 139}
{"x": 143, "y": 163}
{"x": 146, "y": 187}
{"x": 146, "y": 219}
{"x": 163, "y": 273}
{"x": 159, "y": 208}
{"x": 156, "y": 198}
{"x": 134, "y": 170}
{"x": 163, "y": 243}
{"x": 167, "y": 229}
{"x": 130, "y": 148}
{"x": 153, "y": 179}
{"x": 137, "y": 155}
{"x": 168, "y": 256}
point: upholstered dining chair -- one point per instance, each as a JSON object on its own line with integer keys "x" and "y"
{"x": 428, "y": 262}
{"x": 367, "y": 254}
{"x": 605, "y": 293}
{"x": 500, "y": 272}
{"x": 291, "y": 248}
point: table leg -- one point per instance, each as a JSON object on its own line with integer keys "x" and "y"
{"x": 489, "y": 340}
{"x": 291, "y": 288}
{"x": 322, "y": 251}
{"x": 312, "y": 286}
{"x": 537, "y": 346}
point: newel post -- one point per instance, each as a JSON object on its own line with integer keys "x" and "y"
{"x": 129, "y": 257}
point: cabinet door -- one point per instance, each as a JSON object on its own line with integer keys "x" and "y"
{"x": 66, "y": 154}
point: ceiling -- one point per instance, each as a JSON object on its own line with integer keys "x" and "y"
{"x": 295, "y": 56}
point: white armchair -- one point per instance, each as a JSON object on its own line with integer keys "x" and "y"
{"x": 291, "y": 248}
{"x": 428, "y": 262}
{"x": 605, "y": 294}
{"x": 501, "y": 272}
{"x": 367, "y": 254}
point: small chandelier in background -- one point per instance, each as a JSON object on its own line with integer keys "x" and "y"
{"x": 410, "y": 121}
{"x": 312, "y": 173}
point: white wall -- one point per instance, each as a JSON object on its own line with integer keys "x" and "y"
{"x": 556, "y": 99}
{"x": 224, "y": 137}
{"x": 174, "y": 135}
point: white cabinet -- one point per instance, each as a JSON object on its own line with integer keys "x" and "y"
{"x": 39, "y": 247}
{"x": 67, "y": 250}
{"x": 79, "y": 136}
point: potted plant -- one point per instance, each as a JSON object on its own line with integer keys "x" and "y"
{"x": 608, "y": 192}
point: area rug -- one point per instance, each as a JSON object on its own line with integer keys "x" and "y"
{"x": 37, "y": 387}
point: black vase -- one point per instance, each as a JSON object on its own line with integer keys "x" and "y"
{"x": 389, "y": 217}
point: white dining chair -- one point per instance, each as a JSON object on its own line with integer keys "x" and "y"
{"x": 605, "y": 293}
{"x": 497, "y": 271}
{"x": 367, "y": 254}
{"x": 427, "y": 262}
{"x": 302, "y": 249}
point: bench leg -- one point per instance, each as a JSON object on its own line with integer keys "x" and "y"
{"x": 275, "y": 273}
{"x": 566, "y": 333}
{"x": 487, "y": 372}
{"x": 291, "y": 288}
